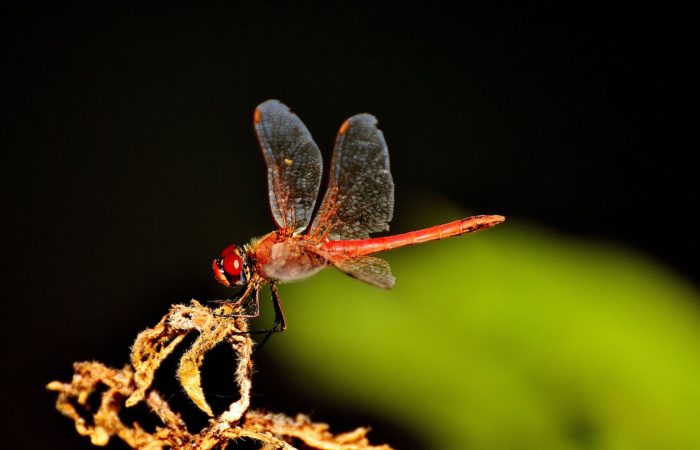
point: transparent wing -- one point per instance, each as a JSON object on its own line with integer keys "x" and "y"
{"x": 293, "y": 164}
{"x": 369, "y": 269}
{"x": 360, "y": 195}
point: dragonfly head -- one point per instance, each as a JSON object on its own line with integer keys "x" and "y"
{"x": 232, "y": 267}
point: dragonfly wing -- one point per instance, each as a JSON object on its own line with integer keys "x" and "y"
{"x": 369, "y": 269}
{"x": 293, "y": 164}
{"x": 360, "y": 195}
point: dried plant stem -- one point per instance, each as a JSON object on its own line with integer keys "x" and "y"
{"x": 131, "y": 385}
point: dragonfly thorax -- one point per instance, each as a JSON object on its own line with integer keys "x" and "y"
{"x": 286, "y": 258}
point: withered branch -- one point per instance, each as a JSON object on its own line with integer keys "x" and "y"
{"x": 131, "y": 385}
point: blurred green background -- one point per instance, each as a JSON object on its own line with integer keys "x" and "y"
{"x": 512, "y": 338}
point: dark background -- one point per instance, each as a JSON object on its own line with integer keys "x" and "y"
{"x": 129, "y": 158}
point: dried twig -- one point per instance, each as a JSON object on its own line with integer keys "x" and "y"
{"x": 131, "y": 385}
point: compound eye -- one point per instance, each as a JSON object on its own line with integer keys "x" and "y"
{"x": 231, "y": 249}
{"x": 233, "y": 264}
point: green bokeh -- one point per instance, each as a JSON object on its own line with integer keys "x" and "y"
{"x": 513, "y": 338}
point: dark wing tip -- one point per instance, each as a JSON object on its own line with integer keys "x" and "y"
{"x": 361, "y": 121}
{"x": 363, "y": 118}
{"x": 271, "y": 103}
{"x": 271, "y": 106}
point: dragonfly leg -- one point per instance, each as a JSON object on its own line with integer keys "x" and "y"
{"x": 249, "y": 307}
{"x": 280, "y": 322}
{"x": 243, "y": 303}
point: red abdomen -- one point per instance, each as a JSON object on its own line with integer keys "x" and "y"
{"x": 361, "y": 247}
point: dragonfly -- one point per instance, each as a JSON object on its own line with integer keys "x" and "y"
{"x": 358, "y": 201}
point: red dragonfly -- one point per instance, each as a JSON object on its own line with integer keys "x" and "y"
{"x": 359, "y": 201}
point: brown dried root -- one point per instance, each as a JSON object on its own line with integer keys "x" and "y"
{"x": 130, "y": 386}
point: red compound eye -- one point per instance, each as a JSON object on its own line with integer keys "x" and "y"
{"x": 228, "y": 250}
{"x": 233, "y": 265}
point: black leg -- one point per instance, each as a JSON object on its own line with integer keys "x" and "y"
{"x": 280, "y": 322}
{"x": 247, "y": 305}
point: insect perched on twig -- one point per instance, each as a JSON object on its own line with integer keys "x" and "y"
{"x": 359, "y": 201}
